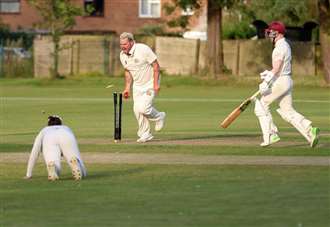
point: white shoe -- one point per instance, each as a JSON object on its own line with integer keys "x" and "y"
{"x": 144, "y": 139}
{"x": 273, "y": 139}
{"x": 75, "y": 168}
{"x": 161, "y": 122}
{"x": 52, "y": 173}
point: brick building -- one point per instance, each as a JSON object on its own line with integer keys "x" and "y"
{"x": 108, "y": 15}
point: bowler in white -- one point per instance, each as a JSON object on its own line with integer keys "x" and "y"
{"x": 141, "y": 71}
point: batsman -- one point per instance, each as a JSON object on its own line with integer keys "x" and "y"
{"x": 277, "y": 86}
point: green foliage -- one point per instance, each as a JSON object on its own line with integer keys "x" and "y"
{"x": 181, "y": 21}
{"x": 152, "y": 29}
{"x": 291, "y": 12}
{"x": 19, "y": 38}
{"x": 238, "y": 30}
{"x": 15, "y": 67}
{"x": 57, "y": 16}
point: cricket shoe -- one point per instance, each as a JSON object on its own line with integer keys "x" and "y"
{"x": 144, "y": 139}
{"x": 315, "y": 132}
{"x": 274, "y": 138}
{"x": 52, "y": 173}
{"x": 161, "y": 122}
{"x": 75, "y": 168}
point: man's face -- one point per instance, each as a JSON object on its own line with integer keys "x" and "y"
{"x": 271, "y": 34}
{"x": 126, "y": 45}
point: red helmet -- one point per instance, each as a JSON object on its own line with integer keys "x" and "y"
{"x": 276, "y": 26}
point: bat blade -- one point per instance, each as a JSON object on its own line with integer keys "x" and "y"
{"x": 231, "y": 117}
{"x": 237, "y": 111}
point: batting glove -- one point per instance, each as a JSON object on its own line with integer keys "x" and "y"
{"x": 264, "y": 88}
{"x": 267, "y": 76}
{"x": 263, "y": 74}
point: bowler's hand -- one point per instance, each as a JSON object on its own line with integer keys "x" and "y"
{"x": 126, "y": 94}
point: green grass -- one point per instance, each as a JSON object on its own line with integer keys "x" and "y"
{"x": 194, "y": 109}
{"x": 153, "y": 195}
{"x": 162, "y": 195}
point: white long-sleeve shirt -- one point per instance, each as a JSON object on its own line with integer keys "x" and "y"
{"x": 55, "y": 134}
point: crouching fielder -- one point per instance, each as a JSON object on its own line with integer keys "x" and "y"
{"x": 53, "y": 141}
{"x": 277, "y": 85}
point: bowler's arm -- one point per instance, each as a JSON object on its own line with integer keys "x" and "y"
{"x": 128, "y": 84}
{"x": 156, "y": 70}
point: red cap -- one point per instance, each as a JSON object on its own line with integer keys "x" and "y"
{"x": 276, "y": 26}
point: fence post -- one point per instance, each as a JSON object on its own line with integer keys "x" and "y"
{"x": 112, "y": 57}
{"x": 1, "y": 59}
{"x": 78, "y": 56}
{"x": 198, "y": 47}
{"x": 237, "y": 57}
{"x": 106, "y": 56}
{"x": 72, "y": 43}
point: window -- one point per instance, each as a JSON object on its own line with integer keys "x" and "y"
{"x": 149, "y": 8}
{"x": 94, "y": 7}
{"x": 9, "y": 6}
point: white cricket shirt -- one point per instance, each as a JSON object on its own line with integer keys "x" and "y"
{"x": 139, "y": 63}
{"x": 282, "y": 51}
{"x": 56, "y": 134}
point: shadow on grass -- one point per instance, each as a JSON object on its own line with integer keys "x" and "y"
{"x": 202, "y": 137}
{"x": 113, "y": 173}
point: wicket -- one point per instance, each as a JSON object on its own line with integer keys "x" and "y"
{"x": 117, "y": 115}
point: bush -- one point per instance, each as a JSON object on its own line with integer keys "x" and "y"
{"x": 239, "y": 30}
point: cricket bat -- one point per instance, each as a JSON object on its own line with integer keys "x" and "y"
{"x": 237, "y": 111}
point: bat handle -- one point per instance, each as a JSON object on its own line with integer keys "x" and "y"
{"x": 255, "y": 95}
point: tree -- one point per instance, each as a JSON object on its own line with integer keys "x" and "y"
{"x": 291, "y": 12}
{"x": 57, "y": 16}
{"x": 214, "y": 29}
{"x": 324, "y": 20}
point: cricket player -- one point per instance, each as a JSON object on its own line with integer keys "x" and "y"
{"x": 141, "y": 70}
{"x": 277, "y": 86}
{"x": 53, "y": 141}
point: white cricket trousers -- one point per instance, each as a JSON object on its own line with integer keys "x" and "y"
{"x": 281, "y": 91}
{"x": 60, "y": 140}
{"x": 144, "y": 111}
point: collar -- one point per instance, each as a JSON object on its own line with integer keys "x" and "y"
{"x": 132, "y": 50}
{"x": 279, "y": 41}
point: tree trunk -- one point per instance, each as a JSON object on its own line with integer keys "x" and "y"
{"x": 325, "y": 53}
{"x": 324, "y": 11}
{"x": 214, "y": 39}
{"x": 56, "y": 42}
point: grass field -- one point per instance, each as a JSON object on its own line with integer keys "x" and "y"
{"x": 162, "y": 195}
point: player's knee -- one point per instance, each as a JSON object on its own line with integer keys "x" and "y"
{"x": 260, "y": 109}
{"x": 142, "y": 109}
{"x": 286, "y": 114}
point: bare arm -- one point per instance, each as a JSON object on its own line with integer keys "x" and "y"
{"x": 277, "y": 65}
{"x": 128, "y": 84}
{"x": 155, "y": 67}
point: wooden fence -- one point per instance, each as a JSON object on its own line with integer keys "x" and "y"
{"x": 85, "y": 54}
